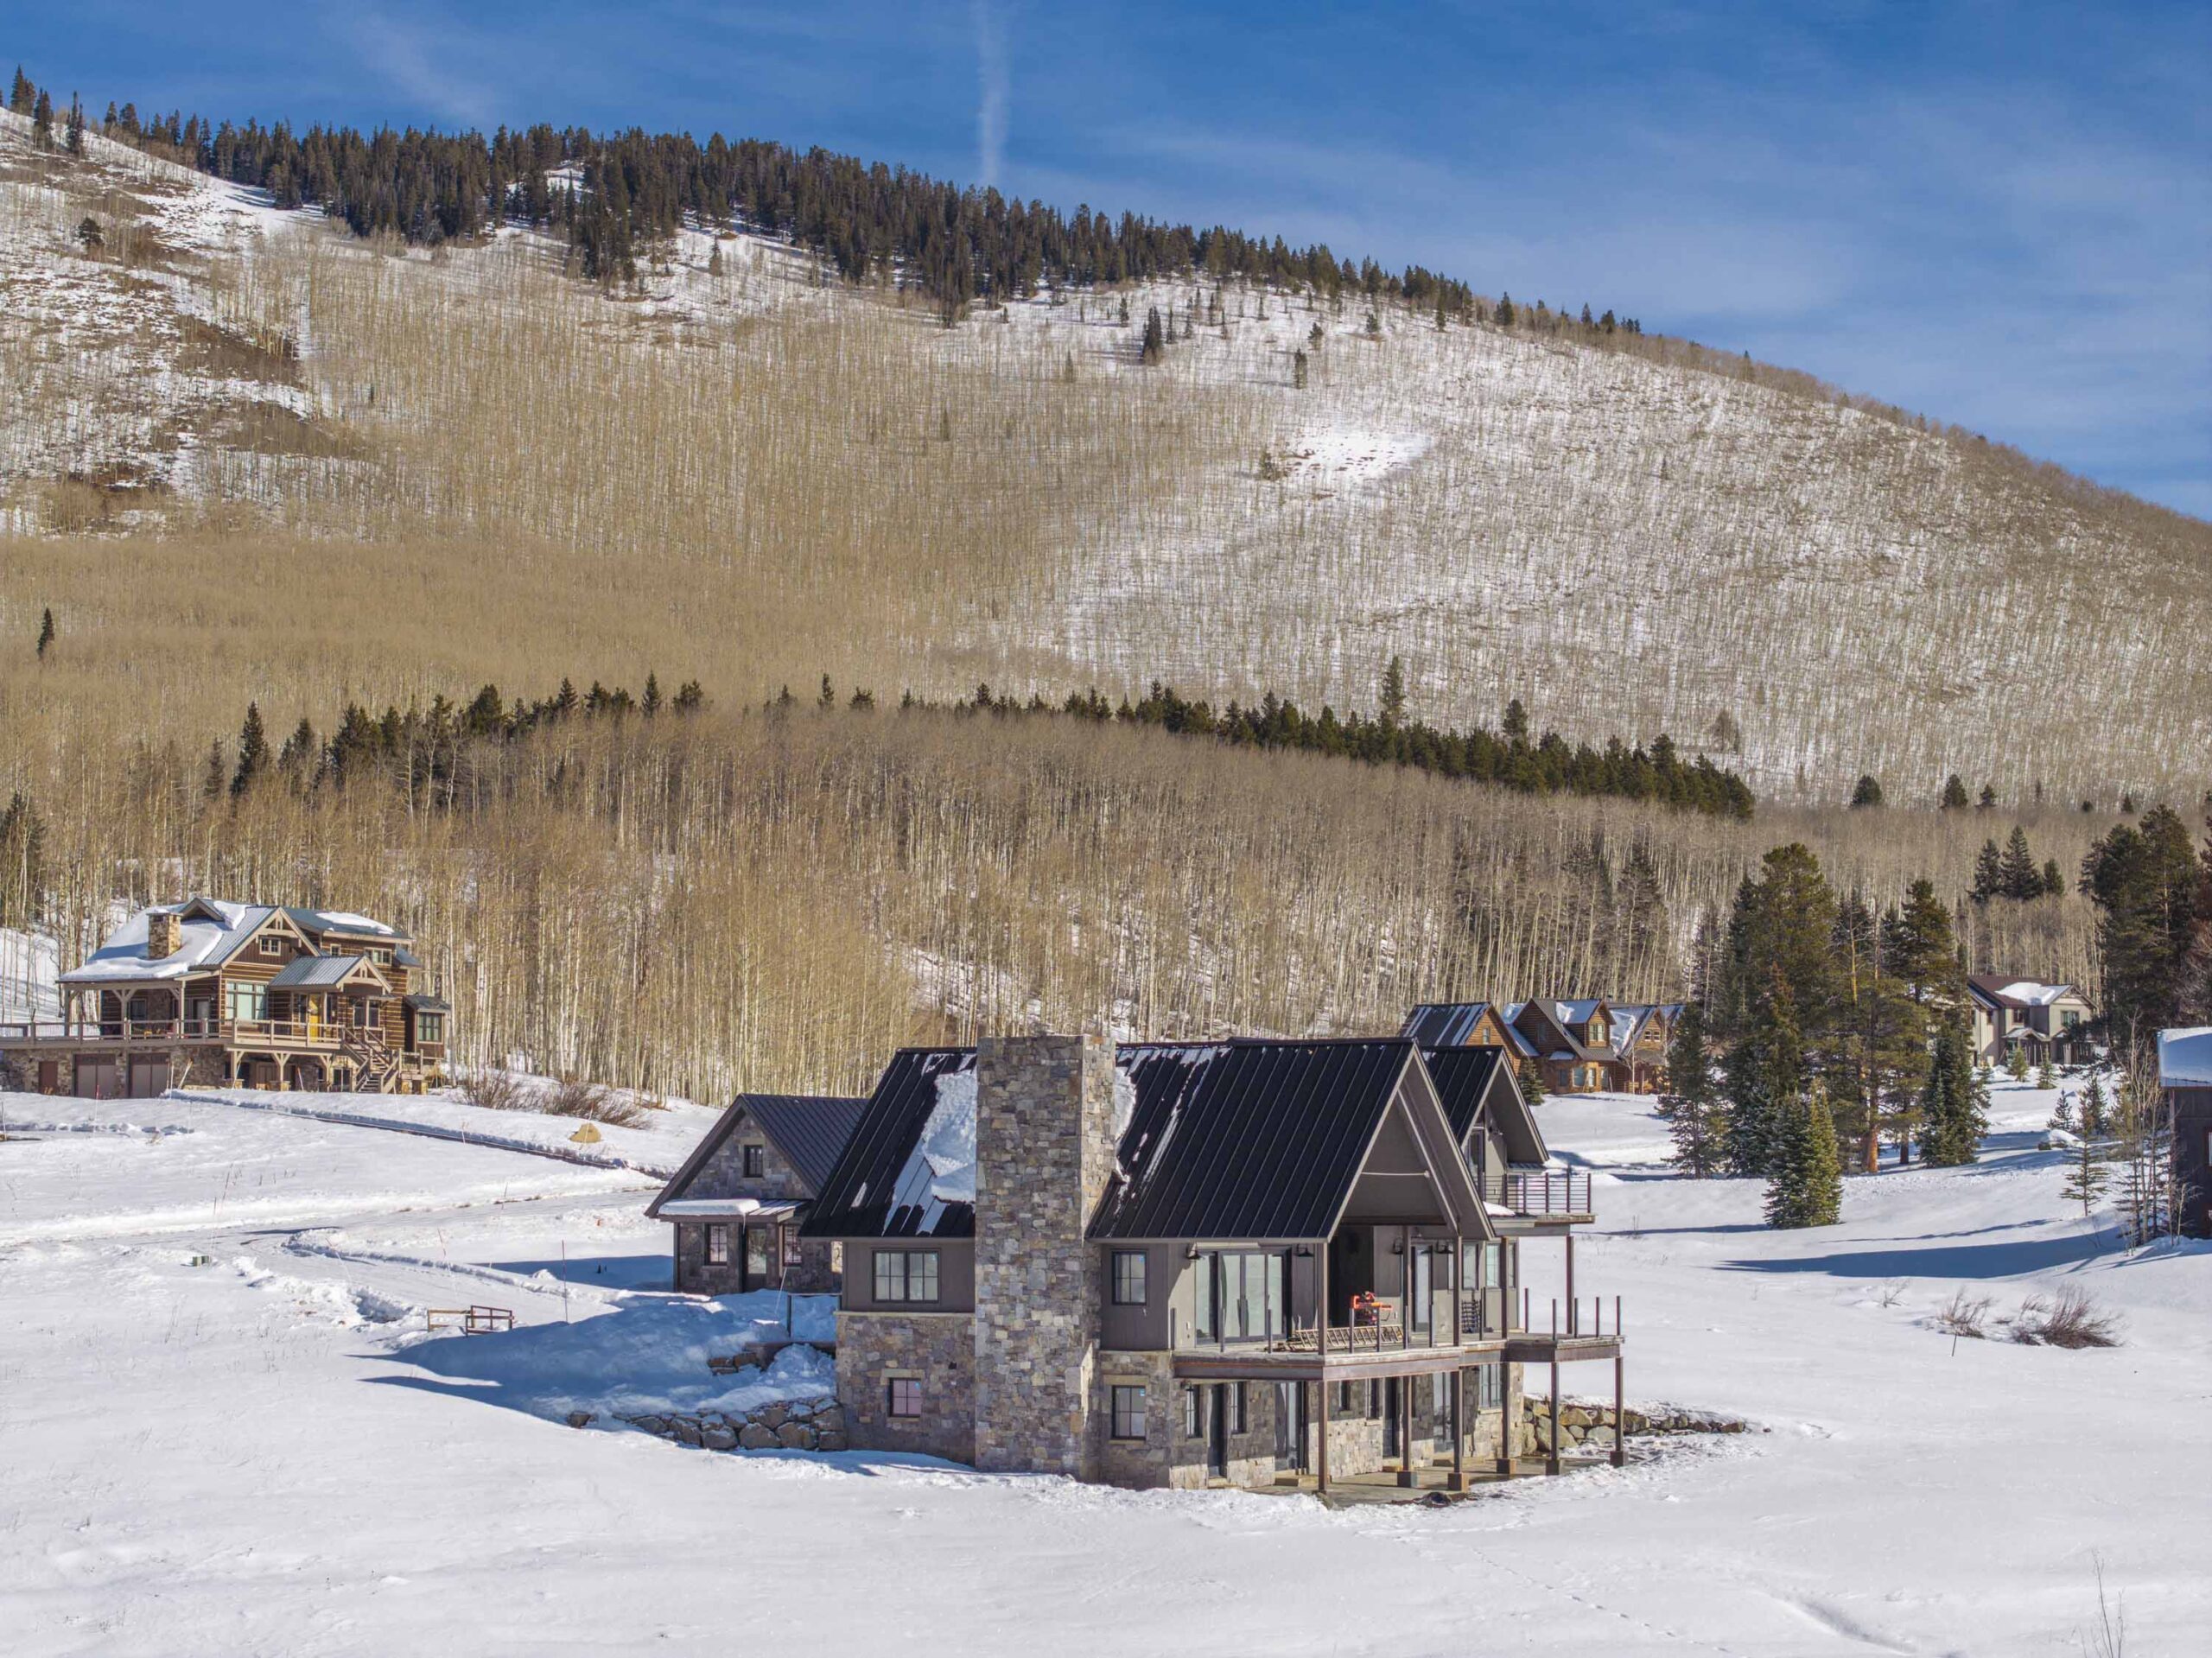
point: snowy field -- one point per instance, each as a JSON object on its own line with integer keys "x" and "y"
{"x": 227, "y": 1430}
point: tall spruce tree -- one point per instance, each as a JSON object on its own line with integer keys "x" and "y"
{"x": 1882, "y": 1042}
{"x": 1530, "y": 1075}
{"x": 1868, "y": 793}
{"x": 2143, "y": 880}
{"x": 1988, "y": 873}
{"x": 46, "y": 634}
{"x": 1954, "y": 793}
{"x": 1951, "y": 1104}
{"x": 253, "y": 751}
{"x": 1692, "y": 1107}
{"x": 1805, "y": 1186}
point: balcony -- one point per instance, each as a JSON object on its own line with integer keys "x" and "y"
{"x": 320, "y": 1036}
{"x": 1559, "y": 1196}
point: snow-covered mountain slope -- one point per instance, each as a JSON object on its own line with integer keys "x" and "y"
{"x": 1631, "y": 535}
{"x": 268, "y": 1452}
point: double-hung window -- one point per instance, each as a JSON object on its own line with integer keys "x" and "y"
{"x": 905, "y": 1274}
{"x": 718, "y": 1244}
{"x": 1194, "y": 1413}
{"x": 1128, "y": 1278}
{"x": 1236, "y": 1408}
{"x": 1128, "y": 1412}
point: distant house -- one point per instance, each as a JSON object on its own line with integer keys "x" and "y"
{"x": 2046, "y": 1022}
{"x": 1571, "y": 1043}
{"x": 227, "y": 994}
{"x": 1246, "y": 1263}
{"x": 1643, "y": 1032}
{"x": 737, "y": 1203}
{"x": 2185, "y": 1074}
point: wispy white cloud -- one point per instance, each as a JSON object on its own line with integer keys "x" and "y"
{"x": 992, "y": 90}
{"x": 420, "y": 64}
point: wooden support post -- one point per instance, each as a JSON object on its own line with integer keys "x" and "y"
{"x": 1620, "y": 1413}
{"x": 1321, "y": 1347}
{"x": 1458, "y": 1430}
{"x": 1321, "y": 1480}
{"x": 1509, "y": 1399}
{"x": 1570, "y": 1283}
{"x": 1551, "y": 1451}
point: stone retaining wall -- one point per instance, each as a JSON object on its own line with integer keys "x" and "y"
{"x": 790, "y": 1425}
{"x": 1585, "y": 1425}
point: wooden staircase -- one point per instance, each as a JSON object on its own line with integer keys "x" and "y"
{"x": 375, "y": 1065}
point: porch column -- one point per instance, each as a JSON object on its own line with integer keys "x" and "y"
{"x": 1551, "y": 1454}
{"x": 1509, "y": 1394}
{"x": 1570, "y": 1273}
{"x": 1321, "y": 1348}
{"x": 1458, "y": 1430}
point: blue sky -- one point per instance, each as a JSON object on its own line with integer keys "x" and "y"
{"x": 1999, "y": 216}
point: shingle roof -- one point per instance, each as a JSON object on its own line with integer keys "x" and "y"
{"x": 1250, "y": 1139}
{"x": 875, "y": 1189}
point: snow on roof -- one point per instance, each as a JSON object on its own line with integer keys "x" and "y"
{"x": 735, "y": 1208}
{"x": 346, "y": 921}
{"x": 2185, "y": 1058}
{"x": 941, "y": 1169}
{"x": 2033, "y": 993}
{"x": 122, "y": 956}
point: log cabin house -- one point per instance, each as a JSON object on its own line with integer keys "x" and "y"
{"x": 223, "y": 994}
{"x": 1580, "y": 1046}
{"x": 737, "y": 1203}
{"x": 1252, "y": 1263}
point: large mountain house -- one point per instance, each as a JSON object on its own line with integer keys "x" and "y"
{"x": 2046, "y": 1020}
{"x": 1247, "y": 1263}
{"x": 737, "y": 1203}
{"x": 2185, "y": 1075}
{"x": 1580, "y": 1047}
{"x": 251, "y": 995}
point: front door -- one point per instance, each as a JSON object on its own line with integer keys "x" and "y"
{"x": 757, "y": 1257}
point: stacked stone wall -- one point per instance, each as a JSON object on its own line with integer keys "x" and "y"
{"x": 1044, "y": 1149}
{"x": 789, "y": 1425}
{"x": 935, "y": 1349}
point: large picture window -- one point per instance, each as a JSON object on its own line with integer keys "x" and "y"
{"x": 905, "y": 1274}
{"x": 1128, "y": 1412}
{"x": 245, "y": 1002}
{"x": 1239, "y": 1295}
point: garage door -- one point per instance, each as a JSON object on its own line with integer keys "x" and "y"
{"x": 148, "y": 1077}
{"x": 96, "y": 1079}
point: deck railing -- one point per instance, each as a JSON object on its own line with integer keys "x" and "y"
{"x": 292, "y": 1033}
{"x": 1546, "y": 1192}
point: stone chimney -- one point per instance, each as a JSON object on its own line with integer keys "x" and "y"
{"x": 164, "y": 934}
{"x": 1044, "y": 1151}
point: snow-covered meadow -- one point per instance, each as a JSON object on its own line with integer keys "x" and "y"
{"x": 227, "y": 1430}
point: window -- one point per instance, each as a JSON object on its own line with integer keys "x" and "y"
{"x": 1423, "y": 1298}
{"x": 272, "y": 943}
{"x": 905, "y": 1274}
{"x": 1128, "y": 1412}
{"x": 1373, "y": 1402}
{"x": 756, "y": 1254}
{"x": 793, "y": 1256}
{"x": 364, "y": 1013}
{"x": 1490, "y": 1385}
{"x": 904, "y": 1396}
{"x": 245, "y": 1001}
{"x": 1344, "y": 1399}
{"x": 429, "y": 1028}
{"x": 718, "y": 1244}
{"x": 1597, "y": 1032}
{"x": 1237, "y": 1406}
{"x": 1194, "y": 1413}
{"x": 1239, "y": 1295}
{"x": 756, "y": 1161}
{"x": 2068, "y": 1018}
{"x": 1128, "y": 1278}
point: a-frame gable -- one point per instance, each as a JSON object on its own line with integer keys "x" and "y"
{"x": 1413, "y": 1101}
{"x": 1506, "y": 1112}
{"x": 711, "y": 1142}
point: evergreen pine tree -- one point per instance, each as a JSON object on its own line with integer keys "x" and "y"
{"x": 1531, "y": 1078}
{"x": 1950, "y": 1105}
{"x": 2045, "y": 1076}
{"x": 1505, "y": 310}
{"x": 2021, "y": 879}
{"x": 1868, "y": 793}
{"x": 22, "y": 95}
{"x": 42, "y": 121}
{"x": 213, "y": 780}
{"x": 651, "y": 704}
{"x": 1988, "y": 873}
{"x": 1954, "y": 793}
{"x": 2016, "y": 1063}
{"x": 75, "y": 139}
{"x": 1692, "y": 1107}
{"x": 45, "y": 633}
{"x": 1805, "y": 1187}
{"x": 1394, "y": 693}
{"x": 1516, "y": 722}
{"x": 2084, "y": 1174}
{"x": 253, "y": 751}
{"x": 1155, "y": 346}
{"x": 1988, "y": 800}
{"x": 2054, "y": 878}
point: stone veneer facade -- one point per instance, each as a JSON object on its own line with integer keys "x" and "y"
{"x": 935, "y": 1349}
{"x": 1044, "y": 1152}
{"x": 723, "y": 1175}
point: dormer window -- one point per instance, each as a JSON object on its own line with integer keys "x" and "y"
{"x": 1597, "y": 1030}
{"x": 272, "y": 943}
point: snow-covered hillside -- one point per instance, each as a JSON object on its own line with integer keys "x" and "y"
{"x": 1630, "y": 544}
{"x": 228, "y": 1430}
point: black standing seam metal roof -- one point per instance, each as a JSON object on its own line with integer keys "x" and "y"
{"x": 824, "y": 1117}
{"x": 1252, "y": 1139}
{"x": 809, "y": 1129}
{"x": 1445, "y": 1024}
{"x": 856, "y": 1200}
{"x": 1475, "y": 1083}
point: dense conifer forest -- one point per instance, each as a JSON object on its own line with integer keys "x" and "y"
{"x": 611, "y": 193}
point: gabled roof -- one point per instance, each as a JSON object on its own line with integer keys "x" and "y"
{"x": 315, "y": 922}
{"x": 1446, "y": 1024}
{"x": 1560, "y": 1017}
{"x": 2002, "y": 990}
{"x": 885, "y": 1184}
{"x": 327, "y": 973}
{"x": 1266, "y": 1139}
{"x": 809, "y": 1130}
{"x": 1476, "y": 1085}
{"x": 212, "y": 932}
